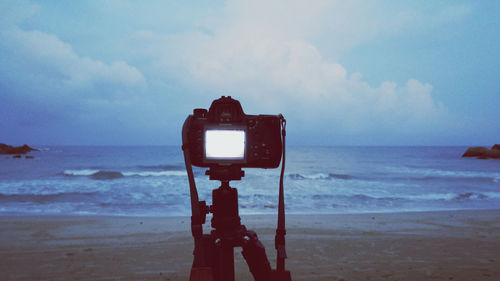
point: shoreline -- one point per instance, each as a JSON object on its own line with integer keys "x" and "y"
{"x": 288, "y": 213}
{"x": 438, "y": 245}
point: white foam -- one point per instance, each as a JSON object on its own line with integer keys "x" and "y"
{"x": 89, "y": 172}
{"x": 317, "y": 176}
{"x": 155, "y": 173}
{"x": 84, "y": 172}
{"x": 464, "y": 174}
{"x": 492, "y": 194}
{"x": 432, "y": 196}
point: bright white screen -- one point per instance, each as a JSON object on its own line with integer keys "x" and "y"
{"x": 225, "y": 144}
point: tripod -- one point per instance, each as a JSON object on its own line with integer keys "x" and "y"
{"x": 216, "y": 255}
{"x": 229, "y": 233}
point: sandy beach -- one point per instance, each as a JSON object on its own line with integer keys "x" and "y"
{"x": 450, "y": 245}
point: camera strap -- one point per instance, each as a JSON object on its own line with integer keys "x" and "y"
{"x": 196, "y": 217}
{"x": 279, "y": 239}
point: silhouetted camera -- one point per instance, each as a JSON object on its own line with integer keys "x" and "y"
{"x": 226, "y": 136}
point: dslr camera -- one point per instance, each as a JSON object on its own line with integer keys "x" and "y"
{"x": 226, "y": 136}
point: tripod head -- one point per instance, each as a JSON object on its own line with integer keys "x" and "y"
{"x": 225, "y": 173}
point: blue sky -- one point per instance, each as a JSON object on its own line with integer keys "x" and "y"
{"x": 342, "y": 72}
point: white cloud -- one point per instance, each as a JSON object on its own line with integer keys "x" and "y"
{"x": 263, "y": 53}
{"x": 47, "y": 86}
{"x": 43, "y": 58}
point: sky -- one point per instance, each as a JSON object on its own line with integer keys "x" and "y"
{"x": 341, "y": 72}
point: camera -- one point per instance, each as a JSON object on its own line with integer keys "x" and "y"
{"x": 226, "y": 136}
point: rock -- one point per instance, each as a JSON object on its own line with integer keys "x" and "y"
{"x": 17, "y": 156}
{"x": 494, "y": 153}
{"x": 29, "y": 157}
{"x": 475, "y": 151}
{"x": 7, "y": 149}
{"x": 483, "y": 152}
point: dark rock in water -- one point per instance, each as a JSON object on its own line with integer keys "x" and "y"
{"x": 495, "y": 154}
{"x": 8, "y": 149}
{"x": 16, "y": 156}
{"x": 470, "y": 195}
{"x": 339, "y": 176}
{"x": 29, "y": 157}
{"x": 296, "y": 176}
{"x": 475, "y": 151}
{"x": 106, "y": 175}
{"x": 483, "y": 152}
{"x": 464, "y": 196}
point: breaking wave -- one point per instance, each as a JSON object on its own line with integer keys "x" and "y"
{"x": 419, "y": 197}
{"x": 103, "y": 175}
{"x": 433, "y": 174}
{"x": 161, "y": 167}
{"x": 319, "y": 176}
{"x": 47, "y": 198}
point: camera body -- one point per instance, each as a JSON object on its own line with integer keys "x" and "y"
{"x": 226, "y": 136}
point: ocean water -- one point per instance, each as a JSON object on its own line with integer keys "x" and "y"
{"x": 151, "y": 181}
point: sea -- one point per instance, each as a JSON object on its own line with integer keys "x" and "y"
{"x": 152, "y": 181}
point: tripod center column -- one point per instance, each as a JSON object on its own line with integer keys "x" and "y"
{"x": 225, "y": 207}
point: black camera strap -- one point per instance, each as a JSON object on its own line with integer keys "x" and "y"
{"x": 196, "y": 216}
{"x": 279, "y": 239}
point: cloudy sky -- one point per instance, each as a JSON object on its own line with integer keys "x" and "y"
{"x": 342, "y": 72}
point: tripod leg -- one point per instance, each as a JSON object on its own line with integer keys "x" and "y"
{"x": 226, "y": 261}
{"x": 255, "y": 256}
{"x": 206, "y": 268}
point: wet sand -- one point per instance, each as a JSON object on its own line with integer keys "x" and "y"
{"x": 451, "y": 245}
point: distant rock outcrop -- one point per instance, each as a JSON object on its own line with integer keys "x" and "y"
{"x": 483, "y": 152}
{"x": 7, "y": 149}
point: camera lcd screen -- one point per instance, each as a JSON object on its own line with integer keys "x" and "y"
{"x": 225, "y": 144}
